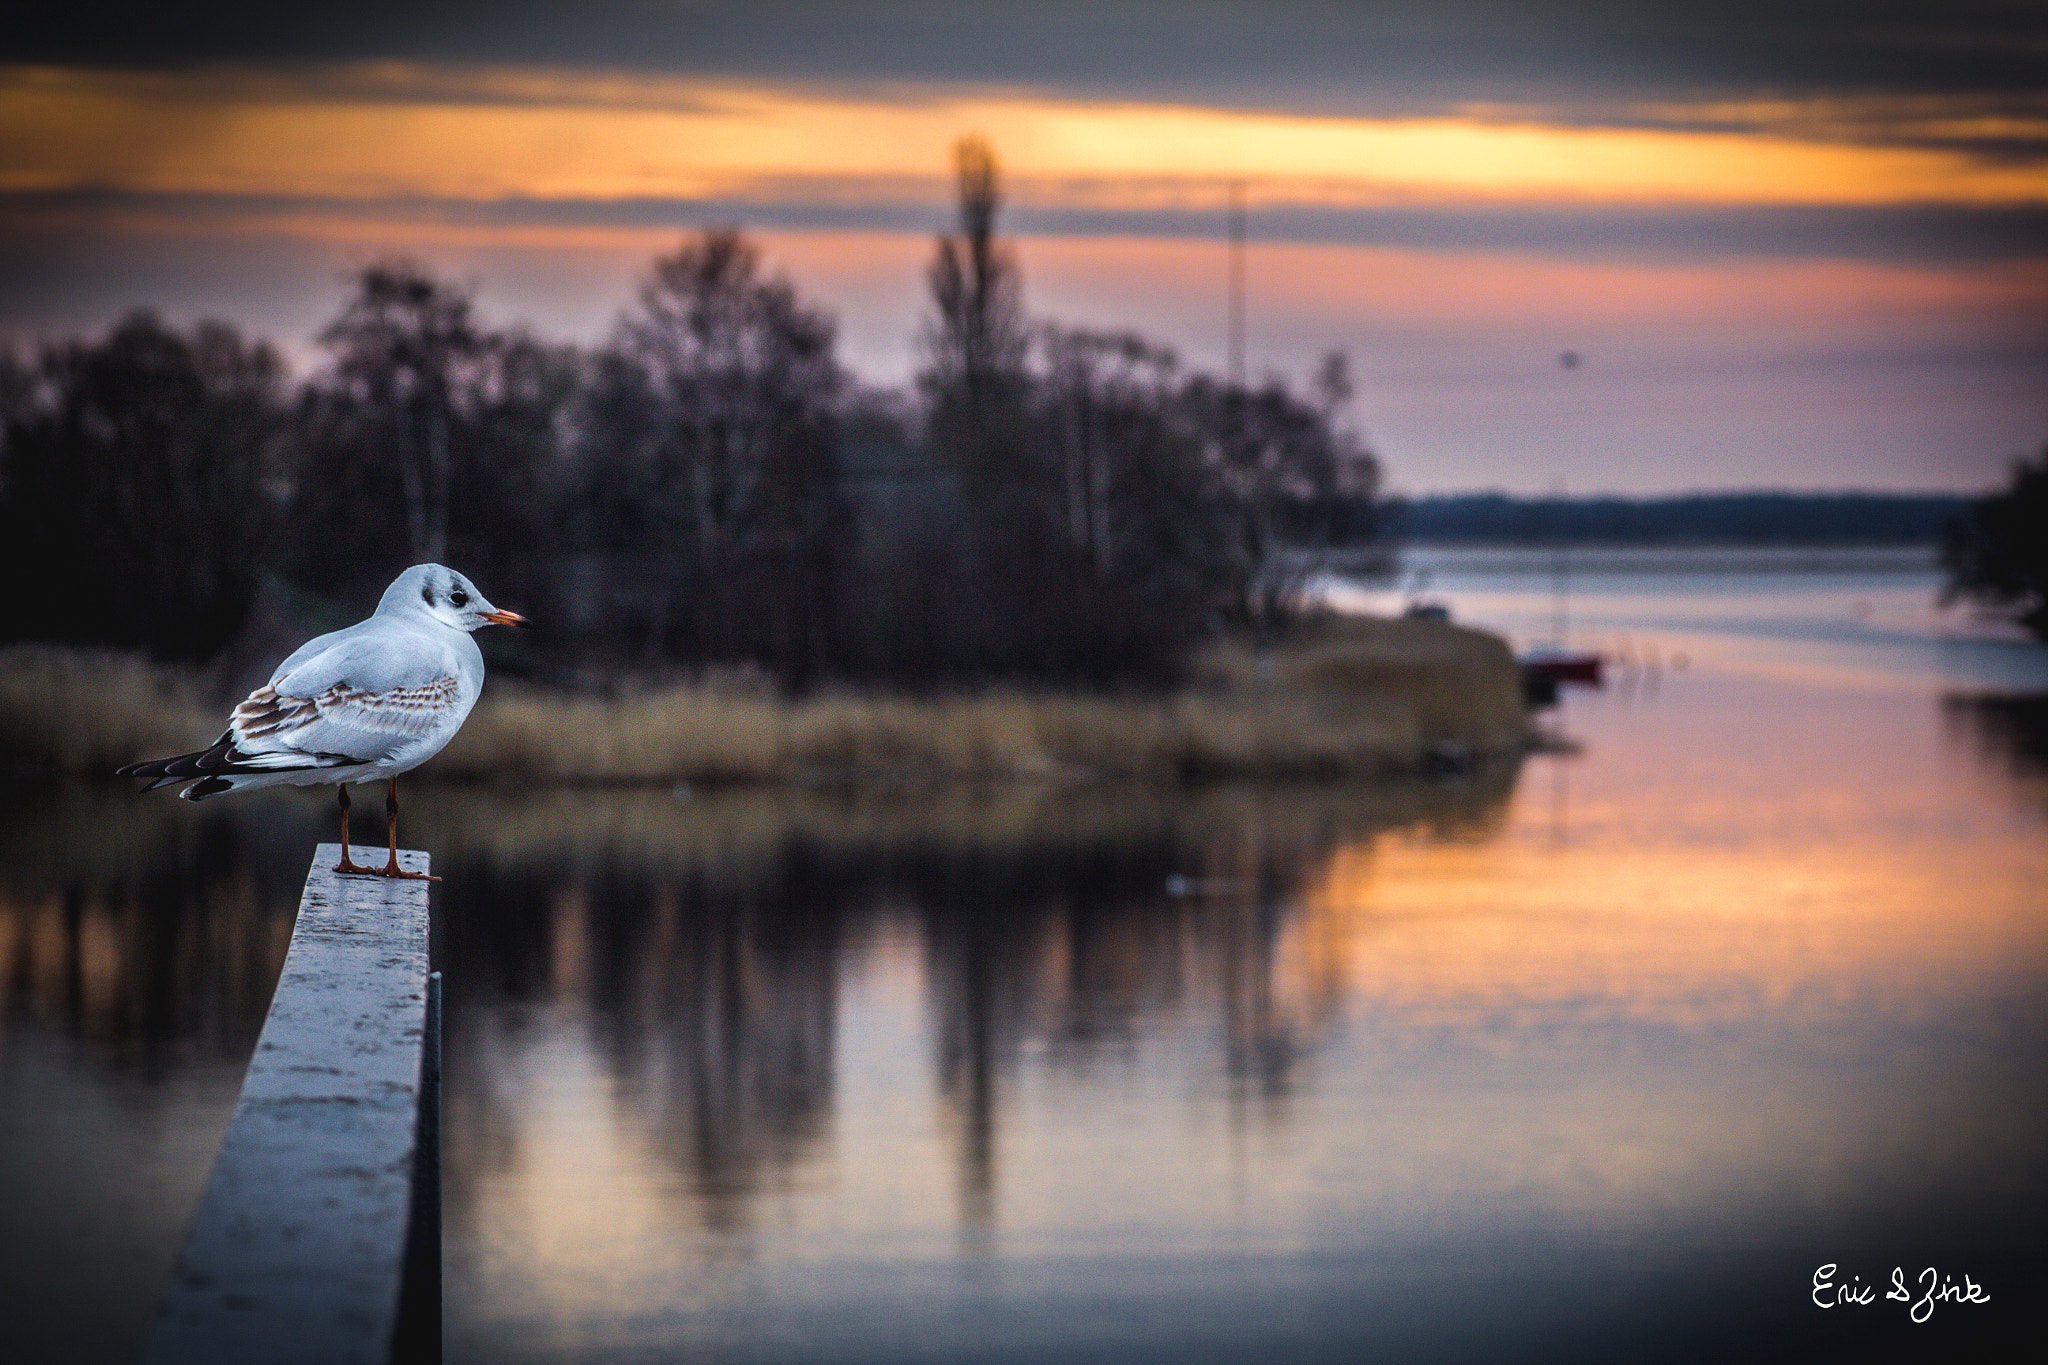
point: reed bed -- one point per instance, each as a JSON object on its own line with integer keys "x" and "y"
{"x": 1338, "y": 697}
{"x": 90, "y": 710}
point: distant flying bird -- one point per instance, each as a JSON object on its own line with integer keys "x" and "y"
{"x": 375, "y": 700}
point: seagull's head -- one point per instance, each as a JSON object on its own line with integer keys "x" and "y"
{"x": 447, "y": 597}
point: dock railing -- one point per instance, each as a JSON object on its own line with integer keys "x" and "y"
{"x": 318, "y": 1237}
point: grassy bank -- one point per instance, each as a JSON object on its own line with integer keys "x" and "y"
{"x": 1339, "y": 697}
{"x": 88, "y": 711}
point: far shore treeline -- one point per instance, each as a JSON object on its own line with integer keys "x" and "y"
{"x": 1045, "y": 506}
{"x": 1752, "y": 518}
{"x": 1049, "y": 505}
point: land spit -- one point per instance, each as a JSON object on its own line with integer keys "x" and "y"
{"x": 1337, "y": 696}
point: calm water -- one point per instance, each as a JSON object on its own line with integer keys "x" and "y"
{"x": 1606, "y": 1054}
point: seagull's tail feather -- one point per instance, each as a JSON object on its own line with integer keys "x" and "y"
{"x": 221, "y": 767}
{"x": 163, "y": 771}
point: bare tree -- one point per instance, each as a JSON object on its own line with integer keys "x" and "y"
{"x": 1293, "y": 478}
{"x": 742, "y": 379}
{"x": 137, "y": 479}
{"x": 422, "y": 399}
{"x": 1110, "y": 416}
{"x": 978, "y": 337}
{"x": 407, "y": 353}
{"x": 714, "y": 410}
{"x": 1996, "y": 553}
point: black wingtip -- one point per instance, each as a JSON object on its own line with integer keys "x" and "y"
{"x": 212, "y": 786}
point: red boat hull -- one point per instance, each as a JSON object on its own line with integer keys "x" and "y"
{"x": 1575, "y": 668}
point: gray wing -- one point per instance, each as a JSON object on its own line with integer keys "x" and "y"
{"x": 374, "y": 656}
{"x": 312, "y": 649}
{"x": 362, "y": 694}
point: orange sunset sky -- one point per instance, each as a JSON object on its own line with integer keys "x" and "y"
{"x": 1799, "y": 244}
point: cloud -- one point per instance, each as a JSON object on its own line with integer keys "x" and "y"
{"x": 1796, "y": 236}
{"x": 398, "y": 131}
{"x": 1910, "y": 234}
{"x": 1385, "y": 58}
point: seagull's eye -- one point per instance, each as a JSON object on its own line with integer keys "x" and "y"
{"x": 459, "y": 598}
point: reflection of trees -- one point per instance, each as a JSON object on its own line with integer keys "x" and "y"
{"x": 711, "y": 967}
{"x": 712, "y": 1007}
{"x": 2009, "y": 729}
{"x": 2011, "y": 732}
{"x": 724, "y": 1021}
{"x": 1081, "y": 951}
{"x": 138, "y": 933}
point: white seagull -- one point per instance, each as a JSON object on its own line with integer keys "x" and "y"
{"x": 375, "y": 700}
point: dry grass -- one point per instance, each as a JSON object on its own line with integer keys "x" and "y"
{"x": 1343, "y": 696}
{"x": 91, "y": 710}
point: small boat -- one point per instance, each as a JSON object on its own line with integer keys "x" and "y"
{"x": 1563, "y": 665}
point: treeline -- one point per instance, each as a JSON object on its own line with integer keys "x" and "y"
{"x": 1996, "y": 553}
{"x": 710, "y": 486}
{"x": 1758, "y": 518}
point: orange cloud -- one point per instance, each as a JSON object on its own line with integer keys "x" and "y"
{"x": 1393, "y": 285}
{"x": 407, "y": 132}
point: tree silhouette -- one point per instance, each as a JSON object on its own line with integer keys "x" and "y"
{"x": 711, "y": 432}
{"x": 976, "y": 344}
{"x": 429, "y": 437}
{"x": 1064, "y": 505}
{"x": 977, "y": 339}
{"x": 138, "y": 488}
{"x": 406, "y": 352}
{"x": 1997, "y": 552}
{"x": 1291, "y": 480}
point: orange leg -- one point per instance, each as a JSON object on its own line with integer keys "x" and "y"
{"x": 391, "y": 869}
{"x": 341, "y": 789}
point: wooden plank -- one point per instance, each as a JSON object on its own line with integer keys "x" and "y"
{"x": 298, "y": 1247}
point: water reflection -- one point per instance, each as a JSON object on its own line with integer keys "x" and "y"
{"x": 695, "y": 957}
{"x": 837, "y": 1076}
{"x": 126, "y": 926}
{"x": 2009, "y": 729}
{"x": 138, "y": 950}
{"x": 1434, "y": 1071}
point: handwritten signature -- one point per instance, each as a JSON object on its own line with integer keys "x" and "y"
{"x": 1930, "y": 1287}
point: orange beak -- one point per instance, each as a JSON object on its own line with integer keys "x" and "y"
{"x": 508, "y": 618}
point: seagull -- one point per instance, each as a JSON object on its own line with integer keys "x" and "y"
{"x": 375, "y": 700}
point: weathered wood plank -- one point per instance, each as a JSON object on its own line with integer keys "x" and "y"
{"x": 297, "y": 1250}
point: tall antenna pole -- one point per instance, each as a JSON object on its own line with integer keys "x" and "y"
{"x": 1560, "y": 570}
{"x": 1236, "y": 343}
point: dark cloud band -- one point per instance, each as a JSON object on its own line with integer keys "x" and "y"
{"x": 1311, "y": 55}
{"x": 1935, "y": 235}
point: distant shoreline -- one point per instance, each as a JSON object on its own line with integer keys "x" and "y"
{"x": 1733, "y": 519}
{"x": 1675, "y": 558}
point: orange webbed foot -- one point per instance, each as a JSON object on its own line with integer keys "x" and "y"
{"x": 392, "y": 869}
